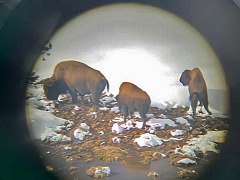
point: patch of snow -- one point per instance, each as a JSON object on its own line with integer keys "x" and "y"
{"x": 128, "y": 125}
{"x": 186, "y": 161}
{"x": 150, "y": 115}
{"x": 67, "y": 148}
{"x": 77, "y": 108}
{"x": 164, "y": 105}
{"x": 177, "y": 132}
{"x": 190, "y": 150}
{"x": 105, "y": 170}
{"x": 205, "y": 143}
{"x": 34, "y": 91}
{"x": 37, "y": 103}
{"x": 116, "y": 140}
{"x": 69, "y": 125}
{"x": 136, "y": 115}
{"x": 94, "y": 115}
{"x": 163, "y": 116}
{"x": 138, "y": 124}
{"x": 115, "y": 109}
{"x": 80, "y": 134}
{"x": 59, "y": 128}
{"x": 178, "y": 151}
{"x": 62, "y": 97}
{"x": 106, "y": 100}
{"x": 117, "y": 129}
{"x": 118, "y": 119}
{"x": 174, "y": 139}
{"x": 102, "y": 143}
{"x": 163, "y": 155}
{"x": 58, "y": 138}
{"x": 158, "y": 105}
{"x": 151, "y": 131}
{"x": 84, "y": 126}
{"x": 103, "y": 109}
{"x": 158, "y": 122}
{"x": 42, "y": 123}
{"x": 153, "y": 126}
{"x": 176, "y": 106}
{"x": 182, "y": 120}
{"x": 148, "y": 140}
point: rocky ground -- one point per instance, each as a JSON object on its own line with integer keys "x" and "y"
{"x": 100, "y": 137}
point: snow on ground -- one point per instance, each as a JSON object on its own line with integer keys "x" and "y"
{"x": 42, "y": 123}
{"x": 204, "y": 143}
{"x": 182, "y": 120}
{"x": 170, "y": 105}
{"x": 186, "y": 161}
{"x": 34, "y": 90}
{"x": 177, "y": 132}
{"x": 148, "y": 140}
{"x": 159, "y": 122}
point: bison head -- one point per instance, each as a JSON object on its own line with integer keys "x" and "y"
{"x": 53, "y": 88}
{"x": 185, "y": 78}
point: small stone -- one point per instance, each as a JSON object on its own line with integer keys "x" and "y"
{"x": 152, "y": 175}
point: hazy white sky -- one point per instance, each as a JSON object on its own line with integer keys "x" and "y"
{"x": 130, "y": 42}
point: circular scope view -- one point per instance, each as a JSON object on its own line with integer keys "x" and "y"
{"x": 127, "y": 91}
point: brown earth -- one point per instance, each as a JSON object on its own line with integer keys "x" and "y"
{"x": 99, "y": 148}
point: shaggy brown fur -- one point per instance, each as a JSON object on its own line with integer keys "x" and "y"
{"x": 76, "y": 77}
{"x": 131, "y": 98}
{"x": 197, "y": 88}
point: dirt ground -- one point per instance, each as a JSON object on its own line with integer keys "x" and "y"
{"x": 71, "y": 159}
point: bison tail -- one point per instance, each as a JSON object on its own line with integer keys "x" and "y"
{"x": 108, "y": 86}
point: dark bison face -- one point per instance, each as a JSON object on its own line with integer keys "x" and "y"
{"x": 53, "y": 89}
{"x": 185, "y": 78}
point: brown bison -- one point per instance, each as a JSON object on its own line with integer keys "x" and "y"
{"x": 76, "y": 77}
{"x": 197, "y": 88}
{"x": 131, "y": 98}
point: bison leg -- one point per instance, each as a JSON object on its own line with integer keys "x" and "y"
{"x": 200, "y": 110}
{"x": 96, "y": 101}
{"x": 125, "y": 111}
{"x": 131, "y": 111}
{"x": 74, "y": 96}
{"x": 98, "y": 91}
{"x": 206, "y": 107}
{"x": 144, "y": 117}
{"x": 194, "y": 101}
{"x": 204, "y": 100}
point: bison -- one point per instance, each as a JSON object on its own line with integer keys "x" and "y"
{"x": 131, "y": 98}
{"x": 197, "y": 88}
{"x": 76, "y": 77}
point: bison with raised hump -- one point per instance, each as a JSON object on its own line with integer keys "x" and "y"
{"x": 76, "y": 77}
{"x": 197, "y": 88}
{"x": 131, "y": 98}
